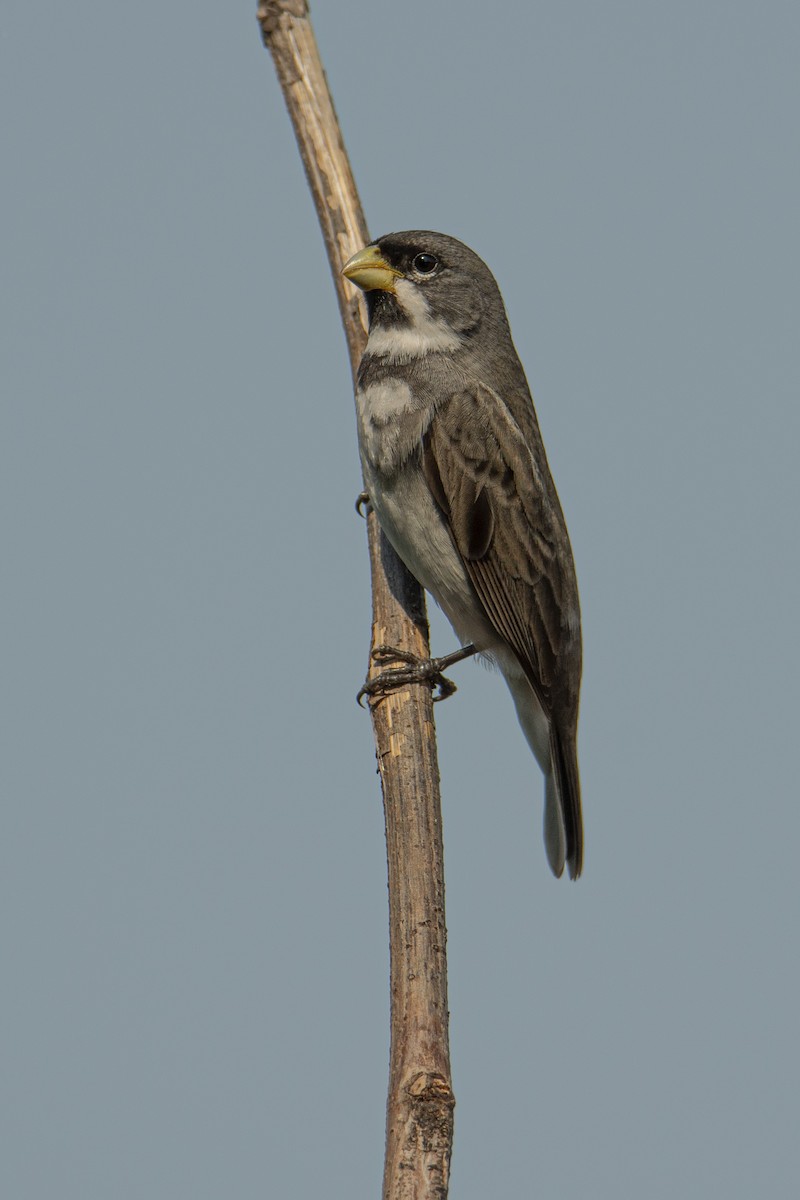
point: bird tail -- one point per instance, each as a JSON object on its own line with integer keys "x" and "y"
{"x": 558, "y": 757}
{"x": 563, "y": 822}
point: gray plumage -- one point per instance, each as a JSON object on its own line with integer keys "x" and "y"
{"x": 457, "y": 474}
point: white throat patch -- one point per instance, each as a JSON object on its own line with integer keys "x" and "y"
{"x": 424, "y": 335}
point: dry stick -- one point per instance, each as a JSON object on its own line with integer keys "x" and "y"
{"x": 419, "y": 1116}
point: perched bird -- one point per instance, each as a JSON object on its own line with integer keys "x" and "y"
{"x": 456, "y": 472}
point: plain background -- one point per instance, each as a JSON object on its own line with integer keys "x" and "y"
{"x": 194, "y": 959}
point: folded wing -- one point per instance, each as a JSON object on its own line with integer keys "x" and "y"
{"x": 506, "y": 522}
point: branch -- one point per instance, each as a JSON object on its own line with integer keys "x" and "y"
{"x": 419, "y": 1117}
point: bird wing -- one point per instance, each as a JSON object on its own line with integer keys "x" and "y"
{"x": 506, "y": 522}
{"x": 493, "y": 485}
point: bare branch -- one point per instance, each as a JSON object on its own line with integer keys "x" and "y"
{"x": 419, "y": 1125}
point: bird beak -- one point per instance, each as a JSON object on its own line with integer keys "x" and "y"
{"x": 370, "y": 271}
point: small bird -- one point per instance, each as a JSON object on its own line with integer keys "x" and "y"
{"x": 456, "y": 472}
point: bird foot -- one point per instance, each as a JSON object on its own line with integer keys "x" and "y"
{"x": 416, "y": 670}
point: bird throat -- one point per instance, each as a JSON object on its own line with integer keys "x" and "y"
{"x": 403, "y": 328}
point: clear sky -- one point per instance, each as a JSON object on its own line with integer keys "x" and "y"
{"x": 192, "y": 888}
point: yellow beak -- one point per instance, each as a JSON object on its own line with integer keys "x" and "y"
{"x": 370, "y": 271}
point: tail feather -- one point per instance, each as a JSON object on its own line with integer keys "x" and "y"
{"x": 557, "y": 755}
{"x": 555, "y": 837}
{"x": 564, "y": 758}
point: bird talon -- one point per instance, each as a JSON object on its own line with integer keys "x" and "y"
{"x": 362, "y": 503}
{"x": 385, "y": 653}
{"x": 446, "y": 688}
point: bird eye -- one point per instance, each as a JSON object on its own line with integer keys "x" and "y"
{"x": 425, "y": 264}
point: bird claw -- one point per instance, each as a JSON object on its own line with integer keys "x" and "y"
{"x": 416, "y": 670}
{"x": 362, "y": 504}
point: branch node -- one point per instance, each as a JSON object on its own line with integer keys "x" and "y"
{"x": 270, "y": 12}
{"x": 429, "y": 1085}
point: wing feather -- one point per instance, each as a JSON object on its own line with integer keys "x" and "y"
{"x": 506, "y": 524}
{"x": 494, "y": 488}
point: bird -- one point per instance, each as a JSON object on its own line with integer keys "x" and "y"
{"x": 456, "y": 473}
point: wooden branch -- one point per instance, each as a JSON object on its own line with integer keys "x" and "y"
{"x": 419, "y": 1116}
